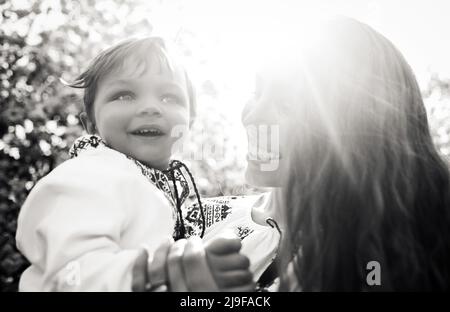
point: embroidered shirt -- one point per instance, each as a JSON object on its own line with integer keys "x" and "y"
{"x": 234, "y": 213}
{"x": 162, "y": 180}
{"x": 82, "y": 226}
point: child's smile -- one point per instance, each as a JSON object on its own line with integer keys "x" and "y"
{"x": 136, "y": 115}
{"x": 148, "y": 131}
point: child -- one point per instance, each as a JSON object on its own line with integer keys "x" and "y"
{"x": 83, "y": 226}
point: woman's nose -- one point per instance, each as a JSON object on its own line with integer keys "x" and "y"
{"x": 247, "y": 112}
{"x": 256, "y": 112}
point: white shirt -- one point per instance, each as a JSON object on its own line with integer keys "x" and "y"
{"x": 82, "y": 225}
{"x": 234, "y": 214}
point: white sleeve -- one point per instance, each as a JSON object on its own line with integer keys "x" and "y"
{"x": 69, "y": 229}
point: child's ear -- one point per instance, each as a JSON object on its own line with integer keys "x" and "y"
{"x": 88, "y": 126}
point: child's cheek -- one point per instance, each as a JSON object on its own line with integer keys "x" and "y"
{"x": 180, "y": 130}
{"x": 180, "y": 119}
{"x": 111, "y": 124}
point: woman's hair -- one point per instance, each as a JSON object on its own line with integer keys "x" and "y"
{"x": 132, "y": 56}
{"x": 365, "y": 181}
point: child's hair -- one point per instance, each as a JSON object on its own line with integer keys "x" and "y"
{"x": 132, "y": 53}
{"x": 365, "y": 181}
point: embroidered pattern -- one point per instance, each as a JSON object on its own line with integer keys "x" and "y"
{"x": 156, "y": 177}
{"x": 181, "y": 183}
{"x": 243, "y": 232}
{"x": 83, "y": 143}
{"x": 216, "y": 209}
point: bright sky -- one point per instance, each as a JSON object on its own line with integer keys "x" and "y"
{"x": 227, "y": 33}
{"x": 420, "y": 29}
{"x": 227, "y": 30}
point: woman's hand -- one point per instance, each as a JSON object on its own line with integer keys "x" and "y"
{"x": 218, "y": 266}
{"x": 149, "y": 274}
{"x": 190, "y": 265}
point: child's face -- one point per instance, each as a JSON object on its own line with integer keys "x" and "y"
{"x": 136, "y": 115}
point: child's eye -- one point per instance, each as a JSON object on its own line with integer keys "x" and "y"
{"x": 172, "y": 99}
{"x": 124, "y": 96}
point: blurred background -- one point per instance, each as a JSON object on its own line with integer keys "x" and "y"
{"x": 42, "y": 42}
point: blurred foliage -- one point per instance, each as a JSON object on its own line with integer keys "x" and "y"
{"x": 43, "y": 41}
{"x": 437, "y": 101}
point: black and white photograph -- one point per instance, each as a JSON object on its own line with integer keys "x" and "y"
{"x": 242, "y": 147}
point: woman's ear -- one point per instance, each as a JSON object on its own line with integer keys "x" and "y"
{"x": 88, "y": 126}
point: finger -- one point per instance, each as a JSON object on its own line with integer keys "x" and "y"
{"x": 223, "y": 246}
{"x": 156, "y": 269}
{"x": 175, "y": 267}
{"x": 234, "y": 278}
{"x": 197, "y": 272}
{"x": 229, "y": 262}
{"x": 139, "y": 276}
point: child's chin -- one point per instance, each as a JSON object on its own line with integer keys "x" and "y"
{"x": 153, "y": 163}
{"x": 157, "y": 165}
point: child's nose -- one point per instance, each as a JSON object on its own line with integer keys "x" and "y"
{"x": 150, "y": 107}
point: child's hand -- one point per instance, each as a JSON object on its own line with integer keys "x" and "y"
{"x": 229, "y": 268}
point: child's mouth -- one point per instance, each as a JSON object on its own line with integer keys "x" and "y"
{"x": 148, "y": 132}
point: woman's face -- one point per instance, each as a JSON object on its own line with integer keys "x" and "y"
{"x": 265, "y": 118}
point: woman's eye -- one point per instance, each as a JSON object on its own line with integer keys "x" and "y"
{"x": 285, "y": 105}
{"x": 171, "y": 99}
{"x": 256, "y": 94}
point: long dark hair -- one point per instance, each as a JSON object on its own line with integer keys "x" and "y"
{"x": 366, "y": 182}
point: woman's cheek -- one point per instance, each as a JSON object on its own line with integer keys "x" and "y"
{"x": 288, "y": 136}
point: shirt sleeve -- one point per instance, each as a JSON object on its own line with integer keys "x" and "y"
{"x": 215, "y": 209}
{"x": 69, "y": 229}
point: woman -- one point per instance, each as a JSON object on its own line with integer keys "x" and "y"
{"x": 362, "y": 180}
